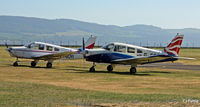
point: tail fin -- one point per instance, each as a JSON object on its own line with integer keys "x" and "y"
{"x": 90, "y": 42}
{"x": 174, "y": 46}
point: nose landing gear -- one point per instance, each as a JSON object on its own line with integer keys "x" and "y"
{"x": 16, "y": 62}
{"x": 92, "y": 69}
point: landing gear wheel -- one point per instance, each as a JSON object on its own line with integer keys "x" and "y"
{"x": 33, "y": 64}
{"x": 133, "y": 70}
{"x": 92, "y": 69}
{"x": 49, "y": 65}
{"x": 110, "y": 68}
{"x": 15, "y": 63}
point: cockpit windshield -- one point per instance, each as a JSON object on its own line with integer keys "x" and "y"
{"x": 109, "y": 47}
{"x": 31, "y": 45}
{"x": 35, "y": 46}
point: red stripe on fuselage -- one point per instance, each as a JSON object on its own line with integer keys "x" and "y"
{"x": 37, "y": 51}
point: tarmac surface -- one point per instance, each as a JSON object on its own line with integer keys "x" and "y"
{"x": 179, "y": 66}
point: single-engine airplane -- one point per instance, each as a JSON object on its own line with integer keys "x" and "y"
{"x": 48, "y": 52}
{"x": 120, "y": 53}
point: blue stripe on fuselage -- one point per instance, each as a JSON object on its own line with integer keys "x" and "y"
{"x": 163, "y": 60}
{"x": 107, "y": 57}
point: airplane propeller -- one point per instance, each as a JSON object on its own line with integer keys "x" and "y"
{"x": 83, "y": 43}
{"x": 7, "y": 48}
{"x": 6, "y": 44}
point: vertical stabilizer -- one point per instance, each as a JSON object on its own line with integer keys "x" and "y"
{"x": 174, "y": 47}
{"x": 90, "y": 42}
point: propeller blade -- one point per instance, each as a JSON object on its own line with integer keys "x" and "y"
{"x": 83, "y": 51}
{"x": 6, "y": 44}
{"x": 83, "y": 42}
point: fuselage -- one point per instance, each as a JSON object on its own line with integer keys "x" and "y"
{"x": 37, "y": 49}
{"x": 116, "y": 51}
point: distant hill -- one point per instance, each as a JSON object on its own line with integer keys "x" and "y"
{"x": 16, "y": 28}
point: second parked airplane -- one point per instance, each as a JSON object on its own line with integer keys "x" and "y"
{"x": 45, "y": 51}
{"x": 120, "y": 53}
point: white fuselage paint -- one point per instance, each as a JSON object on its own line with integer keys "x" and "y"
{"x": 143, "y": 51}
{"x": 30, "y": 52}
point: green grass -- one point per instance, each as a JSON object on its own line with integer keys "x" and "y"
{"x": 69, "y": 83}
{"x": 18, "y": 94}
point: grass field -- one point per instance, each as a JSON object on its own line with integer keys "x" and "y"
{"x": 69, "y": 83}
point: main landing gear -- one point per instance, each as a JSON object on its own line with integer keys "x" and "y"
{"x": 133, "y": 69}
{"x": 49, "y": 64}
{"x": 110, "y": 68}
{"x": 34, "y": 63}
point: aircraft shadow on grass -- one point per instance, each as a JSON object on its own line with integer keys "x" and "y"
{"x": 75, "y": 67}
{"x": 30, "y": 66}
{"x": 164, "y": 72}
{"x": 113, "y": 72}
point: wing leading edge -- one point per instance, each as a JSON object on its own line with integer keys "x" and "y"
{"x": 145, "y": 59}
{"x": 55, "y": 55}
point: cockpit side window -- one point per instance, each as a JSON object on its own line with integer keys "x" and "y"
{"x": 36, "y": 46}
{"x": 56, "y": 49}
{"x": 49, "y": 48}
{"x": 119, "y": 48}
{"x": 41, "y": 47}
{"x": 131, "y": 50}
{"x": 139, "y": 51}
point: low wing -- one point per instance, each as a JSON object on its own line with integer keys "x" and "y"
{"x": 55, "y": 56}
{"x": 143, "y": 60}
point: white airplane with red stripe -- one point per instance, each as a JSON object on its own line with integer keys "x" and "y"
{"x": 48, "y": 52}
{"x": 120, "y": 53}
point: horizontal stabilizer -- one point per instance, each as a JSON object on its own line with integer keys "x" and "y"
{"x": 184, "y": 58}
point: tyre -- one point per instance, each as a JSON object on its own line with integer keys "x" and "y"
{"x": 92, "y": 69}
{"x": 33, "y": 64}
{"x": 110, "y": 68}
{"x": 15, "y": 63}
{"x": 133, "y": 70}
{"x": 49, "y": 65}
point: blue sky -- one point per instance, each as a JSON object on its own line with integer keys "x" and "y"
{"x": 161, "y": 13}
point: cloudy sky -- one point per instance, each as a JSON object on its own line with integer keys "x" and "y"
{"x": 161, "y": 13}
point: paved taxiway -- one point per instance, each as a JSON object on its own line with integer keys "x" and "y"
{"x": 179, "y": 66}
